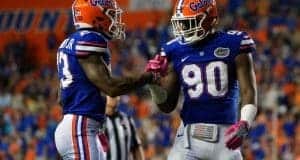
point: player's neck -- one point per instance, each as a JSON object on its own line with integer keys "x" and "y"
{"x": 204, "y": 41}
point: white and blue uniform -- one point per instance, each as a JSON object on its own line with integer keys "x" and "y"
{"x": 207, "y": 74}
{"x": 76, "y": 136}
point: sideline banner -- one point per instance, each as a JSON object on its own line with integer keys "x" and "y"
{"x": 51, "y": 15}
{"x": 35, "y": 20}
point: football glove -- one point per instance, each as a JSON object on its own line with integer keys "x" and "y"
{"x": 158, "y": 65}
{"x": 235, "y": 135}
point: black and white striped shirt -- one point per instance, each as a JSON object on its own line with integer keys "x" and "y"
{"x": 122, "y": 136}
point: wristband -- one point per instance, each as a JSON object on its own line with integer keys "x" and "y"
{"x": 248, "y": 113}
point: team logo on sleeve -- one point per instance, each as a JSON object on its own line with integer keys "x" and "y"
{"x": 222, "y": 52}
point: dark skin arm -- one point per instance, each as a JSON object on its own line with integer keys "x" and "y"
{"x": 58, "y": 96}
{"x": 98, "y": 73}
{"x": 246, "y": 78}
{"x": 171, "y": 85}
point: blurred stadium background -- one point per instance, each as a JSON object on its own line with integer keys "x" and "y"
{"x": 31, "y": 30}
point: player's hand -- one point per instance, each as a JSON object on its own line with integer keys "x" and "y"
{"x": 158, "y": 65}
{"x": 235, "y": 135}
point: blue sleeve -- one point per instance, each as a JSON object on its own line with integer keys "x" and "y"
{"x": 88, "y": 42}
{"x": 247, "y": 44}
{"x": 167, "y": 49}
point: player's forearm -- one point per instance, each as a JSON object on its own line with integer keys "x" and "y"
{"x": 59, "y": 96}
{"x": 159, "y": 95}
{"x": 167, "y": 96}
{"x": 248, "y": 89}
{"x": 249, "y": 105}
{"x": 249, "y": 95}
{"x": 119, "y": 86}
{"x": 164, "y": 99}
{"x": 167, "y": 107}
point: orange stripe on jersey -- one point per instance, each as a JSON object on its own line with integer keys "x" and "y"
{"x": 74, "y": 138}
{"x": 83, "y": 54}
{"x": 85, "y": 140}
{"x": 91, "y": 43}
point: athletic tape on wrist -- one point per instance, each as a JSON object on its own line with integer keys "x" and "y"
{"x": 248, "y": 113}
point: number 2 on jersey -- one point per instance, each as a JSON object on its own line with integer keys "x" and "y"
{"x": 213, "y": 78}
{"x": 67, "y": 79}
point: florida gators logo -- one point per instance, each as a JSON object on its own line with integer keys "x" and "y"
{"x": 200, "y": 4}
{"x": 222, "y": 52}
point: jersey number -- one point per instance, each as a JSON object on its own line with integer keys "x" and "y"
{"x": 67, "y": 78}
{"x": 213, "y": 79}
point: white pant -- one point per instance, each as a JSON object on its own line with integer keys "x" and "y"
{"x": 201, "y": 150}
{"x": 77, "y": 138}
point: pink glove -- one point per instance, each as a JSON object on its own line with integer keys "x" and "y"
{"x": 104, "y": 141}
{"x": 158, "y": 65}
{"x": 235, "y": 135}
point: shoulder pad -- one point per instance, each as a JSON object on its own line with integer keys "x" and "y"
{"x": 168, "y": 47}
{"x": 246, "y": 43}
{"x": 89, "y": 42}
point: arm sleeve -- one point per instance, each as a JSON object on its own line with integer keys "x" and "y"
{"x": 247, "y": 44}
{"x": 90, "y": 43}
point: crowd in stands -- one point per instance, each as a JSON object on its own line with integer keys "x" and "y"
{"x": 29, "y": 111}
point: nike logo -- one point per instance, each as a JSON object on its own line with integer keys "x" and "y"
{"x": 185, "y": 58}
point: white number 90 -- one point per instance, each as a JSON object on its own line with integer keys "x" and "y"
{"x": 215, "y": 80}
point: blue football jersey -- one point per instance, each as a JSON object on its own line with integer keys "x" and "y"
{"x": 79, "y": 95}
{"x": 207, "y": 74}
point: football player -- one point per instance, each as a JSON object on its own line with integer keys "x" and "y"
{"x": 83, "y": 61}
{"x": 214, "y": 70}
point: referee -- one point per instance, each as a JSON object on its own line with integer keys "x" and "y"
{"x": 124, "y": 143}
